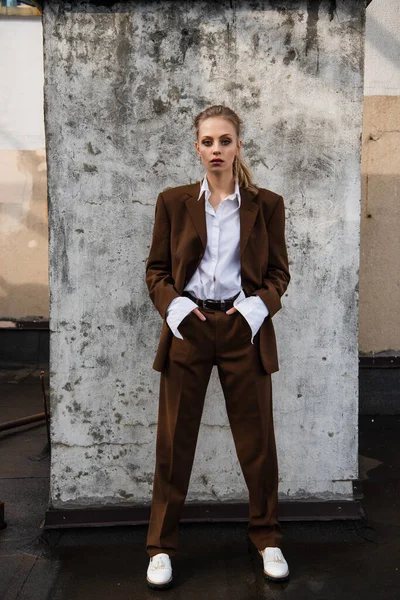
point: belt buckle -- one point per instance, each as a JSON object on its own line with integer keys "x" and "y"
{"x": 214, "y": 304}
{"x": 210, "y": 303}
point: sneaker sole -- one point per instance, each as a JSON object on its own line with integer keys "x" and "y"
{"x": 159, "y": 586}
{"x": 276, "y": 579}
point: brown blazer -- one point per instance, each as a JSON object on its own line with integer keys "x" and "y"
{"x": 179, "y": 242}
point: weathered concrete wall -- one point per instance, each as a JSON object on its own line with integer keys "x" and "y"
{"x": 380, "y": 215}
{"x": 122, "y": 88}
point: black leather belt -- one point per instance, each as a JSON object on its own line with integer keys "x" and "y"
{"x": 212, "y": 304}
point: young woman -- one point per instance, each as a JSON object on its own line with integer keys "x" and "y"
{"x": 216, "y": 271}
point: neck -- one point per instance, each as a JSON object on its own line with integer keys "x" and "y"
{"x": 221, "y": 183}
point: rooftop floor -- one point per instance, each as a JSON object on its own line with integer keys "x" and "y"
{"x": 327, "y": 560}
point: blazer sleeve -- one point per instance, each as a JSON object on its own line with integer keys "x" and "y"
{"x": 277, "y": 277}
{"x": 160, "y": 283}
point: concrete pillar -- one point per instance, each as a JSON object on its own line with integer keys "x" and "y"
{"x": 122, "y": 86}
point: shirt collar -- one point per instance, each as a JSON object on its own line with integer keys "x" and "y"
{"x": 205, "y": 188}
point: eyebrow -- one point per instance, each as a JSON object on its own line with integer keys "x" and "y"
{"x": 210, "y": 136}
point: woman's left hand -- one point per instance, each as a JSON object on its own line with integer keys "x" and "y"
{"x": 231, "y": 311}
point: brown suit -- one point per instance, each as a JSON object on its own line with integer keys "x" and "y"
{"x": 179, "y": 242}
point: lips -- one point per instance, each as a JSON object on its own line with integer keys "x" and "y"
{"x": 217, "y": 161}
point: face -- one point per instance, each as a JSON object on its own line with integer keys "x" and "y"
{"x": 217, "y": 139}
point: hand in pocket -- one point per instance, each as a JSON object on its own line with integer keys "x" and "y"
{"x": 188, "y": 326}
{"x": 246, "y": 325}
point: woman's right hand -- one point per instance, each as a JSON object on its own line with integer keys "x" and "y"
{"x": 199, "y": 314}
{"x": 187, "y": 327}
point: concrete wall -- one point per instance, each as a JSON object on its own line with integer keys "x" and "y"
{"x": 122, "y": 88}
{"x": 380, "y": 214}
{"x": 23, "y": 196}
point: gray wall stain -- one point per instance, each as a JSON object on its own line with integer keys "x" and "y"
{"x": 312, "y": 25}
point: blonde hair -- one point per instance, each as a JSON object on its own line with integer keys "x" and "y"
{"x": 239, "y": 166}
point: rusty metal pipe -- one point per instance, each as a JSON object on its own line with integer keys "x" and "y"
{"x": 23, "y": 421}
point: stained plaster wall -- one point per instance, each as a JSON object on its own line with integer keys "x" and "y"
{"x": 122, "y": 86}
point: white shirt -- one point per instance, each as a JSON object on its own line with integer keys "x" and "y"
{"x": 218, "y": 275}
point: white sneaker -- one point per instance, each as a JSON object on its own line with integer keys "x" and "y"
{"x": 159, "y": 572}
{"x": 275, "y": 565}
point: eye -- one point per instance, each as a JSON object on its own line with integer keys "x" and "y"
{"x": 226, "y": 141}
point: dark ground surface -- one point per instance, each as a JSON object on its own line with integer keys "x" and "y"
{"x": 327, "y": 560}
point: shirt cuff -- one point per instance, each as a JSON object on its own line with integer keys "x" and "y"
{"x": 253, "y": 310}
{"x": 177, "y": 311}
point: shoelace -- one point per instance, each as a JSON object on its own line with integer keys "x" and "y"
{"x": 278, "y": 557}
{"x": 158, "y": 563}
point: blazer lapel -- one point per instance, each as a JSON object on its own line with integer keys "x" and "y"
{"x": 248, "y": 213}
{"x": 197, "y": 211}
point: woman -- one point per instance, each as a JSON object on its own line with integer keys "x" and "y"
{"x": 216, "y": 271}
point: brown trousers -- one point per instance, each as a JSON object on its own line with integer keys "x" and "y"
{"x": 223, "y": 340}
